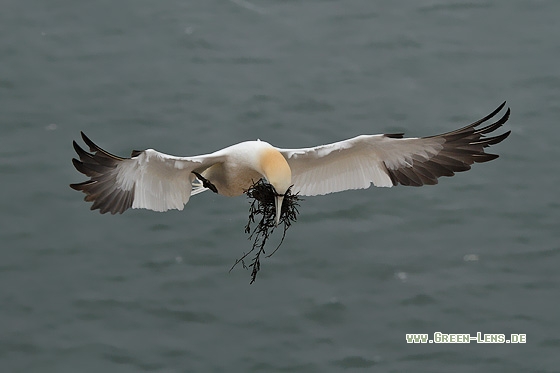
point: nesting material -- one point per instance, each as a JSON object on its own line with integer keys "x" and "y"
{"x": 263, "y": 213}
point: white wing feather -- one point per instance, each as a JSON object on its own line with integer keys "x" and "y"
{"x": 387, "y": 160}
{"x": 161, "y": 182}
{"x": 355, "y": 163}
{"x": 149, "y": 179}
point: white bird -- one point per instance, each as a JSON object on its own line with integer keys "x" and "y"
{"x": 160, "y": 182}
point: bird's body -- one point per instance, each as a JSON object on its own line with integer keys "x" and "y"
{"x": 242, "y": 165}
{"x": 157, "y": 181}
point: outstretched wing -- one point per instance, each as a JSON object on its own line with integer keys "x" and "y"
{"x": 149, "y": 179}
{"x": 388, "y": 160}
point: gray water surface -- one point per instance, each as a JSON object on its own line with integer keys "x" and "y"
{"x": 147, "y": 291}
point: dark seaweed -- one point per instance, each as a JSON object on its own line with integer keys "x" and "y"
{"x": 263, "y": 210}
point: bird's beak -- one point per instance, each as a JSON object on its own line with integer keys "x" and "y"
{"x": 278, "y": 201}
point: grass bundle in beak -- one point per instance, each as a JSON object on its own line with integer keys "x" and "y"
{"x": 263, "y": 210}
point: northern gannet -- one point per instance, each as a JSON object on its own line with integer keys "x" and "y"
{"x": 160, "y": 182}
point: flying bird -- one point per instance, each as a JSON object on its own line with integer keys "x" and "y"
{"x": 160, "y": 182}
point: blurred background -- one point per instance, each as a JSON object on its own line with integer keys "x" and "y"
{"x": 147, "y": 291}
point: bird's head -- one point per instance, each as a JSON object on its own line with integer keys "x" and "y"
{"x": 278, "y": 174}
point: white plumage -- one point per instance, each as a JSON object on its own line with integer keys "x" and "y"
{"x": 355, "y": 163}
{"x": 160, "y": 182}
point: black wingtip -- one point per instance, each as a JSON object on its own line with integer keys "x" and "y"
{"x": 79, "y": 150}
{"x": 492, "y": 114}
{"x": 76, "y": 163}
{"x": 505, "y": 117}
{"x": 94, "y": 148}
{"x": 394, "y": 135}
{"x": 499, "y": 139}
{"x": 91, "y": 144}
